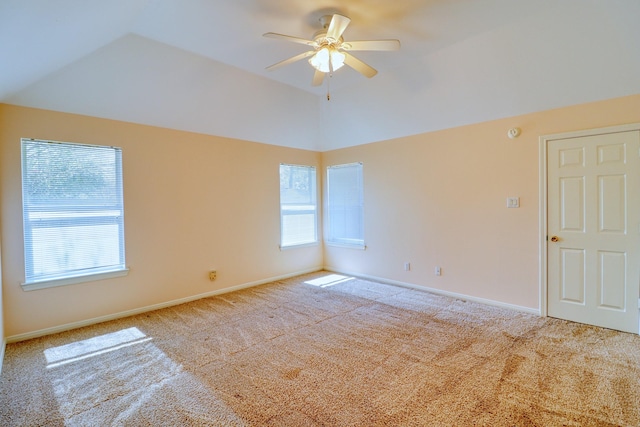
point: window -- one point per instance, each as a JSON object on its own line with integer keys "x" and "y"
{"x": 72, "y": 213}
{"x": 345, "y": 204}
{"x": 298, "y": 222}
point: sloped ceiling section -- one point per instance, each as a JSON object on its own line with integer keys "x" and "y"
{"x": 556, "y": 57}
{"x": 138, "y": 80}
{"x": 198, "y": 65}
{"x": 39, "y": 37}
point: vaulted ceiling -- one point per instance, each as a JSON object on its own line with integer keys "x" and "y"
{"x": 199, "y": 65}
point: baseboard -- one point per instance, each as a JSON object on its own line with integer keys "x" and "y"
{"x": 122, "y": 314}
{"x": 2, "y": 349}
{"x": 440, "y": 292}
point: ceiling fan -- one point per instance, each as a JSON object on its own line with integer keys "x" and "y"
{"x": 329, "y": 50}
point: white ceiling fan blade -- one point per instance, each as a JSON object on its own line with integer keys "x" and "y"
{"x": 359, "y": 66}
{"x": 290, "y": 39}
{"x": 337, "y": 26}
{"x": 318, "y": 76}
{"x": 371, "y": 45}
{"x": 303, "y": 55}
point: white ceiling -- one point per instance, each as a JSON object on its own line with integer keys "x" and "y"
{"x": 199, "y": 65}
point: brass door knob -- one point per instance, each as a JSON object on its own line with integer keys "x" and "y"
{"x": 555, "y": 239}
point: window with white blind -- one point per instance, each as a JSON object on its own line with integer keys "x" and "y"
{"x": 298, "y": 210}
{"x": 345, "y": 205}
{"x": 73, "y": 213}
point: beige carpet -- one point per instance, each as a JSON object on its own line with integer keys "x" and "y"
{"x": 329, "y": 353}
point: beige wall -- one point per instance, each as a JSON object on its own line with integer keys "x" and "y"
{"x": 439, "y": 199}
{"x": 192, "y": 203}
{"x": 2, "y": 335}
{"x": 195, "y": 202}
{"x": 2, "y": 329}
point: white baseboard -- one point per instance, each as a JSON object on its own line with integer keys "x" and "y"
{"x": 2, "y": 349}
{"x": 114, "y": 316}
{"x": 440, "y": 292}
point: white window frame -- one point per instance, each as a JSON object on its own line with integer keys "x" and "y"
{"x": 52, "y": 215}
{"x": 293, "y": 209}
{"x": 354, "y": 203}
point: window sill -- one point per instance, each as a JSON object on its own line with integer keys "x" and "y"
{"x": 52, "y": 283}
{"x": 360, "y": 246}
{"x": 301, "y": 245}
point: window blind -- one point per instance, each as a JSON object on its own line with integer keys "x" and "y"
{"x": 73, "y": 210}
{"x": 298, "y": 210}
{"x": 345, "y": 204}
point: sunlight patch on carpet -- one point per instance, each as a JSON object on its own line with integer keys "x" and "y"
{"x": 329, "y": 280}
{"x": 121, "y": 378}
{"x": 91, "y": 347}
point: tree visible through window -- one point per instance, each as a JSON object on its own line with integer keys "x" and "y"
{"x": 72, "y": 210}
{"x": 298, "y": 211}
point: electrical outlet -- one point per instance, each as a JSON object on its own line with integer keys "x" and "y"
{"x": 407, "y": 266}
{"x": 513, "y": 202}
{"x": 213, "y": 275}
{"x": 438, "y": 271}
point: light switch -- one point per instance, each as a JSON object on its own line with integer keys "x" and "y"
{"x": 513, "y": 202}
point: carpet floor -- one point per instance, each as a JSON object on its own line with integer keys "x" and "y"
{"x": 325, "y": 350}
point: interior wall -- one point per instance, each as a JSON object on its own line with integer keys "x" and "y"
{"x": 2, "y": 334}
{"x": 439, "y": 199}
{"x": 192, "y": 202}
{"x": 195, "y": 202}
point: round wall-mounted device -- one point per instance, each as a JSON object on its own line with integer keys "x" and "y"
{"x": 513, "y": 133}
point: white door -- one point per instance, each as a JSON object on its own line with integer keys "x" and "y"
{"x": 593, "y": 224}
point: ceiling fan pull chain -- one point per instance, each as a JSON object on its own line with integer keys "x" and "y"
{"x": 329, "y": 87}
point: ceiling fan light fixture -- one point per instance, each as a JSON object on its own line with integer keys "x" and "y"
{"x": 326, "y": 59}
{"x": 329, "y": 52}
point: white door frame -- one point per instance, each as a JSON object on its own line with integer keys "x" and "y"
{"x": 542, "y": 192}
